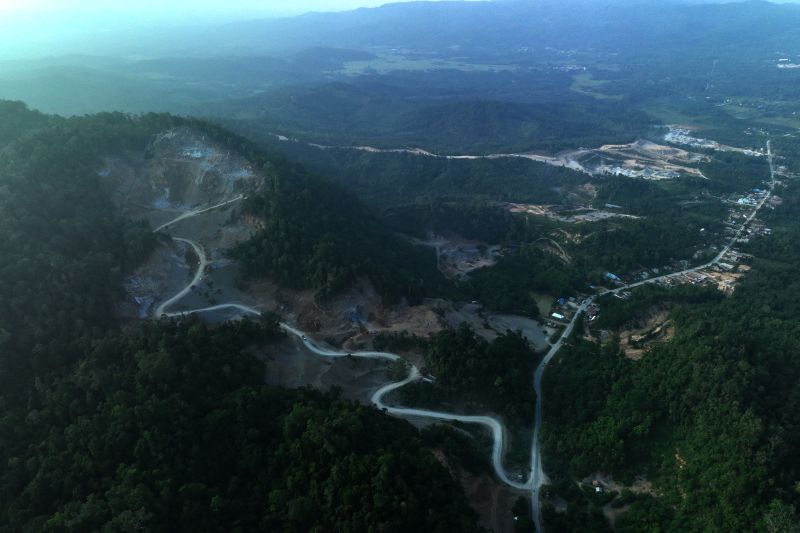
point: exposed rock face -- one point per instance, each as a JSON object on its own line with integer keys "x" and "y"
{"x": 195, "y": 170}
{"x": 184, "y": 179}
{"x": 180, "y": 169}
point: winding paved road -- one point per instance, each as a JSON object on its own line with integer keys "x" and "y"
{"x": 537, "y": 475}
{"x": 201, "y": 268}
{"x": 494, "y": 425}
{"x": 568, "y": 159}
{"x": 731, "y": 242}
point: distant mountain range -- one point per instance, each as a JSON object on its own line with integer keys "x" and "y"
{"x": 469, "y": 28}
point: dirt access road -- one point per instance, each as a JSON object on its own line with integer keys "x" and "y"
{"x": 537, "y": 476}
{"x": 494, "y": 425}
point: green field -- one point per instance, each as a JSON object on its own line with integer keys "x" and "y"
{"x": 585, "y": 84}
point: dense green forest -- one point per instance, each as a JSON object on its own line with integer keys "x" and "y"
{"x": 388, "y": 180}
{"x": 464, "y": 197}
{"x": 66, "y": 249}
{"x": 711, "y": 417}
{"x": 619, "y": 312}
{"x": 473, "y": 219}
{"x": 512, "y": 284}
{"x": 18, "y": 119}
{"x": 166, "y": 426}
{"x": 392, "y": 111}
{"x": 317, "y": 235}
{"x": 123, "y": 421}
{"x": 469, "y": 369}
{"x": 675, "y": 222}
{"x": 735, "y": 172}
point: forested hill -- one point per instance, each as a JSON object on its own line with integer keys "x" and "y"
{"x": 711, "y": 418}
{"x": 316, "y": 234}
{"x": 17, "y": 119}
{"x": 167, "y": 428}
{"x": 163, "y": 426}
{"x": 470, "y": 28}
{"x": 66, "y": 250}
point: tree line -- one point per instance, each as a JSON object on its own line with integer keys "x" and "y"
{"x": 710, "y": 417}
{"x": 165, "y": 426}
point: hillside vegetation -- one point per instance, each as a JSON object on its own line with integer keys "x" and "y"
{"x": 711, "y": 417}
{"x": 164, "y": 426}
{"x": 317, "y": 235}
{"x": 167, "y": 427}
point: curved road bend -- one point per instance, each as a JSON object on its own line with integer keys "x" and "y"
{"x": 731, "y": 242}
{"x": 201, "y": 268}
{"x": 537, "y": 473}
{"x": 494, "y": 425}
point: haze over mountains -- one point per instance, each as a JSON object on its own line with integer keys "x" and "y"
{"x": 186, "y": 69}
{"x": 559, "y": 239}
{"x": 422, "y": 25}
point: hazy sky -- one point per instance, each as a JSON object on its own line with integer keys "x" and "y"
{"x": 34, "y": 27}
{"x": 185, "y": 7}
